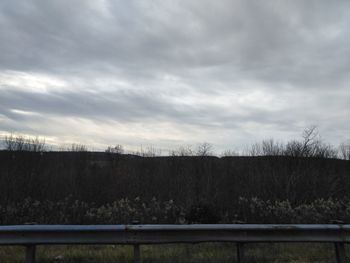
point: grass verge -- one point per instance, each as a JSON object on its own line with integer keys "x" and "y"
{"x": 180, "y": 253}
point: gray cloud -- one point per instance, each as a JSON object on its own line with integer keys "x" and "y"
{"x": 193, "y": 66}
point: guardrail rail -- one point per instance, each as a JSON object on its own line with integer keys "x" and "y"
{"x": 32, "y": 235}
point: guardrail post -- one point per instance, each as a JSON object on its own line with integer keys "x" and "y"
{"x": 240, "y": 252}
{"x": 30, "y": 254}
{"x": 340, "y": 252}
{"x": 137, "y": 254}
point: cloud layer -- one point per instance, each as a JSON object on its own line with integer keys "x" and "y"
{"x": 168, "y": 73}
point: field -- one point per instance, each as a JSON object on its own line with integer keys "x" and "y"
{"x": 204, "y": 253}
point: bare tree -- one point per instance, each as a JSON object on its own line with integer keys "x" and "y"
{"x": 204, "y": 149}
{"x": 310, "y": 140}
{"x": 310, "y": 146}
{"x": 272, "y": 148}
{"x": 20, "y": 143}
{"x": 294, "y": 148}
{"x": 345, "y": 150}
{"x": 76, "y": 147}
{"x": 183, "y": 151}
{"x": 118, "y": 149}
{"x": 229, "y": 153}
{"x": 266, "y": 148}
{"x": 149, "y": 151}
{"x": 255, "y": 150}
{"x": 306, "y": 147}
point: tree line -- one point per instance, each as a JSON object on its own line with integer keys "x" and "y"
{"x": 299, "y": 172}
{"x": 310, "y": 145}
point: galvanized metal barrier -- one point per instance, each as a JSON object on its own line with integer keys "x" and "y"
{"x": 136, "y": 235}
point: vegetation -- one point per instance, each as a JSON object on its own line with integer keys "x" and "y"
{"x": 125, "y": 211}
{"x": 20, "y": 143}
{"x": 192, "y": 253}
{"x": 310, "y": 145}
{"x": 103, "y": 178}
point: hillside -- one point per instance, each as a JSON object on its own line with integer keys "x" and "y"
{"x": 102, "y": 177}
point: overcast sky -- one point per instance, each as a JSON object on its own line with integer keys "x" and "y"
{"x": 168, "y": 73}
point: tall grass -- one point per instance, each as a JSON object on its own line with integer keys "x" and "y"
{"x": 126, "y": 211}
{"x": 191, "y": 253}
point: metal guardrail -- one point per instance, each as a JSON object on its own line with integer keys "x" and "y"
{"x": 136, "y": 235}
